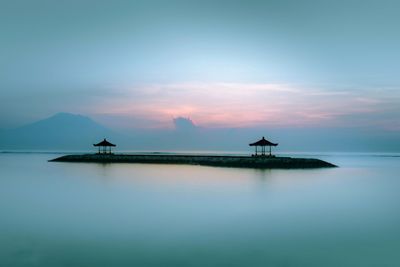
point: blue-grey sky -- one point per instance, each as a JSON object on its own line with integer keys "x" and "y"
{"x": 220, "y": 63}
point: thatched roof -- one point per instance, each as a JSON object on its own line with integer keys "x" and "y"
{"x": 104, "y": 143}
{"x": 263, "y": 142}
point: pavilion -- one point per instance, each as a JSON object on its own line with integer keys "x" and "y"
{"x": 263, "y": 143}
{"x": 104, "y": 147}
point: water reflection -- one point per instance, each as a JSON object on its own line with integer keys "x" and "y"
{"x": 62, "y": 214}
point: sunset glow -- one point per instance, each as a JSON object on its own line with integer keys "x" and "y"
{"x": 249, "y": 105}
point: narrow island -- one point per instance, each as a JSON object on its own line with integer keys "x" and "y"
{"x": 259, "y": 160}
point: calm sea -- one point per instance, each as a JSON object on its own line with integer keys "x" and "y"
{"x": 87, "y": 214}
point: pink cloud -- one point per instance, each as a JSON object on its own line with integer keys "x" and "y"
{"x": 241, "y": 104}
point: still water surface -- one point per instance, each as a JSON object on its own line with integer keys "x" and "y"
{"x": 87, "y": 214}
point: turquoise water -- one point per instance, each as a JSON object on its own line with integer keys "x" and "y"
{"x": 77, "y": 214}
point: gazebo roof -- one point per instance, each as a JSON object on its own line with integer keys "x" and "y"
{"x": 263, "y": 142}
{"x": 104, "y": 143}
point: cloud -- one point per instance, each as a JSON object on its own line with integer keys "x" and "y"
{"x": 253, "y": 104}
{"x": 184, "y": 124}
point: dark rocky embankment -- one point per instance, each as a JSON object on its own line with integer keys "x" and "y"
{"x": 219, "y": 161}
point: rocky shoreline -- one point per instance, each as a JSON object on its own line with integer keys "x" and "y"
{"x": 215, "y": 160}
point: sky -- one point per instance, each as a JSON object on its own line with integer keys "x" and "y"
{"x": 223, "y": 64}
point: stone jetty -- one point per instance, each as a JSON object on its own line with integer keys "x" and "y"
{"x": 258, "y": 162}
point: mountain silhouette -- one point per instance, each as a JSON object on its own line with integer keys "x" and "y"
{"x": 70, "y": 132}
{"x": 61, "y": 131}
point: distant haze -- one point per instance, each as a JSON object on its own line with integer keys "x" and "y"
{"x": 311, "y": 75}
{"x": 69, "y": 132}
